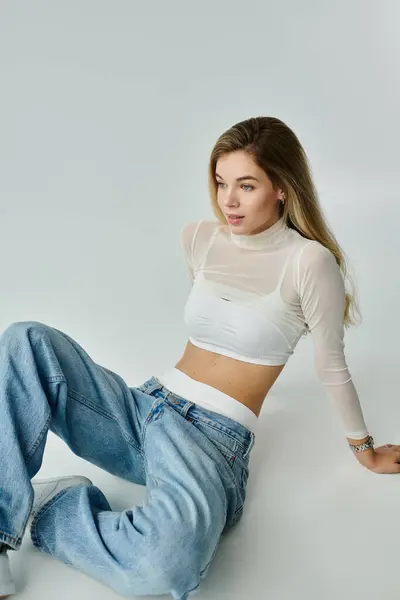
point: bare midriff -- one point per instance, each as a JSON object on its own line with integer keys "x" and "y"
{"x": 246, "y": 382}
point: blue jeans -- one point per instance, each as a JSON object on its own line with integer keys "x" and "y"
{"x": 193, "y": 462}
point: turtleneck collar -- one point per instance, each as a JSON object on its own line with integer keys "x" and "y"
{"x": 263, "y": 240}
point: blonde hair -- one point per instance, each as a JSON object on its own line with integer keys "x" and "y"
{"x": 276, "y": 149}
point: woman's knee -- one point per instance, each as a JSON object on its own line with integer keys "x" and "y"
{"x": 177, "y": 563}
{"x": 29, "y": 344}
{"x": 19, "y": 329}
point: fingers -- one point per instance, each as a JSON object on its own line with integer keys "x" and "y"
{"x": 391, "y": 447}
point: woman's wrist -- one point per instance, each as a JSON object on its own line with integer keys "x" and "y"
{"x": 366, "y": 456}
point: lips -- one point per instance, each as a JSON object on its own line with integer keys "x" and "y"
{"x": 234, "y": 221}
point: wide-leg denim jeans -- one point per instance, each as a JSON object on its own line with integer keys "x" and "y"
{"x": 194, "y": 463}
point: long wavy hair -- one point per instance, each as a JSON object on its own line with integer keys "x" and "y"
{"x": 276, "y": 149}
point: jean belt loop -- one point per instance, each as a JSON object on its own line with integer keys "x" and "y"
{"x": 186, "y": 407}
{"x": 250, "y": 445}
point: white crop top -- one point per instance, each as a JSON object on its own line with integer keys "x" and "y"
{"x": 254, "y": 296}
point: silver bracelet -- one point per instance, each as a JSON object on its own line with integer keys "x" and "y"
{"x": 361, "y": 447}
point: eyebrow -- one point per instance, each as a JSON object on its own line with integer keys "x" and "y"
{"x": 240, "y": 178}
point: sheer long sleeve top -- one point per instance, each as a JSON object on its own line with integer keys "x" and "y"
{"x": 254, "y": 296}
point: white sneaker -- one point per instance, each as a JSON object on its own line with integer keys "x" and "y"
{"x": 46, "y": 489}
{"x": 7, "y": 585}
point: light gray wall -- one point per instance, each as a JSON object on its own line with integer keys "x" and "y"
{"x": 108, "y": 113}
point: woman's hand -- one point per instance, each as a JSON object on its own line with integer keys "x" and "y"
{"x": 383, "y": 460}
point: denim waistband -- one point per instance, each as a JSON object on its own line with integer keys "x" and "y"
{"x": 243, "y": 435}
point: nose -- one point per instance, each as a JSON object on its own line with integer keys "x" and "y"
{"x": 229, "y": 200}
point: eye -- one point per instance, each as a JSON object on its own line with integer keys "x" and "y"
{"x": 244, "y": 185}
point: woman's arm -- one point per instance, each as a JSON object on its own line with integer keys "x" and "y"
{"x": 322, "y": 297}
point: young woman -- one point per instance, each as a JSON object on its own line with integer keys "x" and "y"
{"x": 265, "y": 273}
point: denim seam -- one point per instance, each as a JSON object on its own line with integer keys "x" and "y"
{"x": 89, "y": 404}
{"x": 10, "y": 539}
{"x": 54, "y": 378}
{"x": 192, "y": 590}
{"x": 155, "y": 404}
{"x": 146, "y": 467}
{"x": 209, "y": 423}
{"x": 131, "y": 443}
{"x": 226, "y": 452}
{"x": 39, "y": 438}
{"x": 44, "y": 431}
{"x": 221, "y": 429}
{"x": 149, "y": 418}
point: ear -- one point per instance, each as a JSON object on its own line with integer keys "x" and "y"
{"x": 280, "y": 192}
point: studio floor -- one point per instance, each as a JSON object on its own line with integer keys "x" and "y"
{"x": 317, "y": 524}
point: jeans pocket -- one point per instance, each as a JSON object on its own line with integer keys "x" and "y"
{"x": 226, "y": 452}
{"x": 241, "y": 470}
{"x": 223, "y": 442}
{"x": 231, "y": 450}
{"x": 242, "y": 474}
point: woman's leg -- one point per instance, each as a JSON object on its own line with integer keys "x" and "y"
{"x": 196, "y": 469}
{"x": 166, "y": 545}
{"x": 47, "y": 381}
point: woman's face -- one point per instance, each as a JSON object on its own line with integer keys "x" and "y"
{"x": 244, "y": 189}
